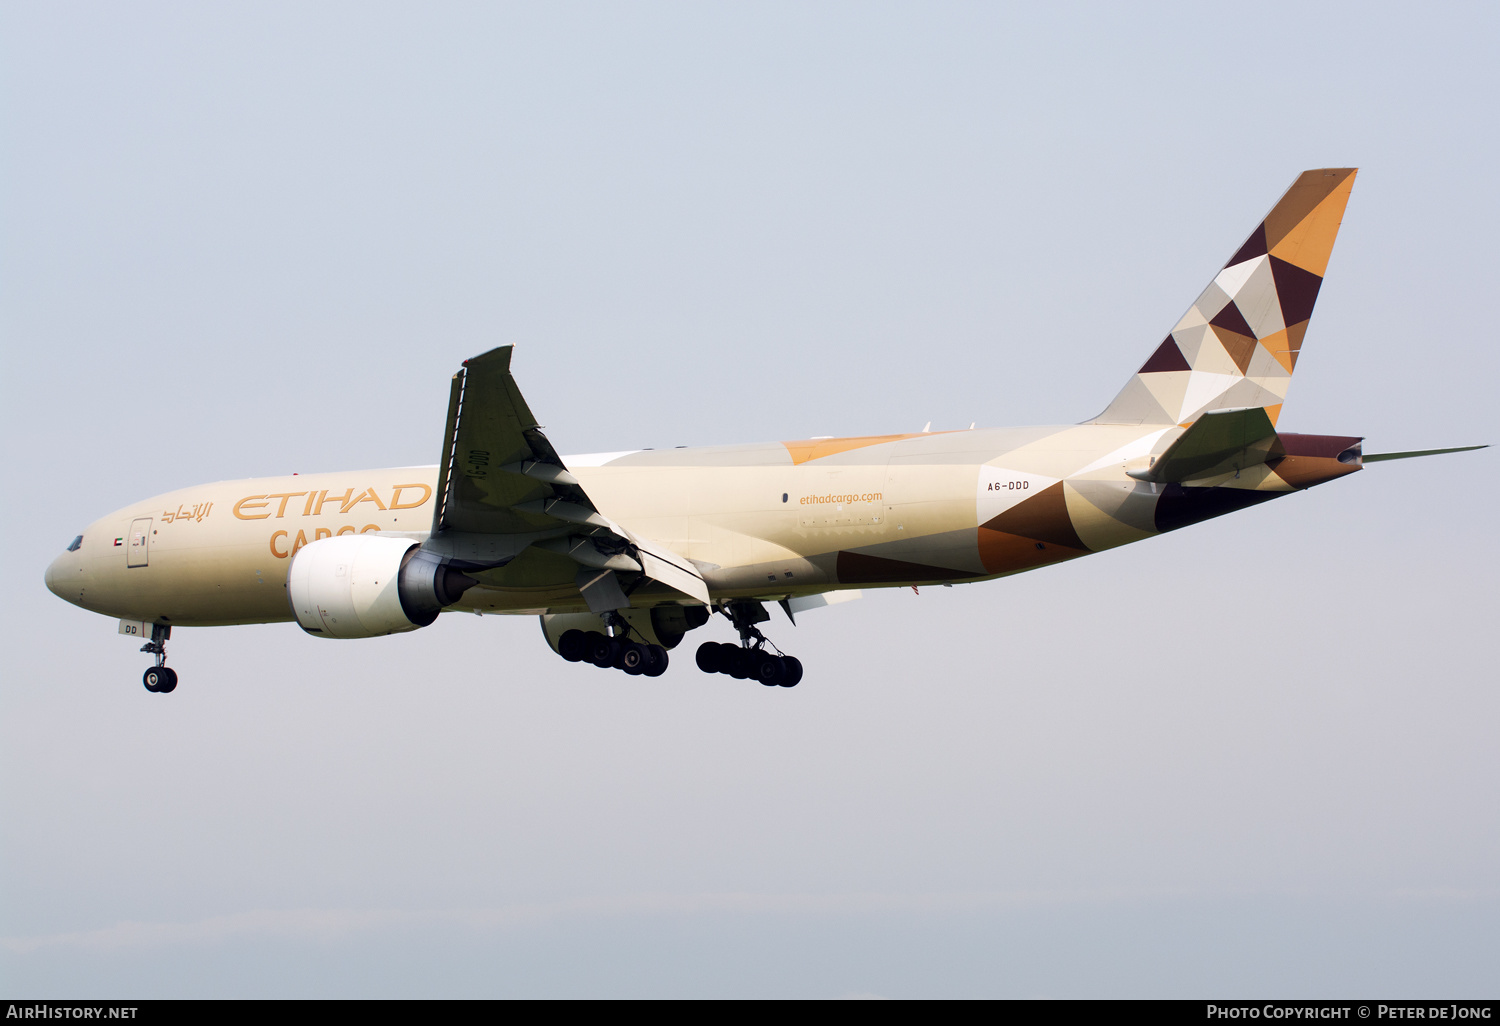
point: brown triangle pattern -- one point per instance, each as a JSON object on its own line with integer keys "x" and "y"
{"x": 1254, "y": 246}
{"x": 1231, "y": 318}
{"x": 1239, "y": 347}
{"x": 1309, "y": 190}
{"x": 1166, "y": 358}
{"x": 1294, "y": 336}
{"x": 1043, "y": 517}
{"x": 1296, "y": 289}
{"x": 1003, "y": 553}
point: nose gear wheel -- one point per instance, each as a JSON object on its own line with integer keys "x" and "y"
{"x": 160, "y": 679}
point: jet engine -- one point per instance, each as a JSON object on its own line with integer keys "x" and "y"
{"x": 363, "y": 586}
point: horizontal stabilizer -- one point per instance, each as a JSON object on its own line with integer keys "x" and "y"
{"x": 1376, "y": 457}
{"x": 1234, "y": 439}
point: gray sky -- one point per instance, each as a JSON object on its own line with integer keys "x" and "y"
{"x": 1257, "y": 756}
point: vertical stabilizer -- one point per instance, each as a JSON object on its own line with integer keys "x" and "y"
{"x": 1238, "y": 344}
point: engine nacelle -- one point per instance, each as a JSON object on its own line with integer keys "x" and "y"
{"x": 364, "y": 586}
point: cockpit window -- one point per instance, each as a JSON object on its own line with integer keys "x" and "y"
{"x": 76, "y": 543}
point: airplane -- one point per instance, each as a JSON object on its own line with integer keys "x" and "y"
{"x": 622, "y": 554}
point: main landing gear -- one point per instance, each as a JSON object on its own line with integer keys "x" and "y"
{"x": 160, "y": 678}
{"x": 619, "y": 652}
{"x": 750, "y": 659}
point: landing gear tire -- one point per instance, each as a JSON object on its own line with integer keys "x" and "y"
{"x": 769, "y": 670}
{"x": 159, "y": 679}
{"x": 573, "y": 645}
{"x": 599, "y": 650}
{"x": 656, "y": 661}
{"x": 708, "y": 658}
{"x": 632, "y": 658}
{"x": 793, "y": 671}
{"x": 754, "y": 657}
{"x": 735, "y": 661}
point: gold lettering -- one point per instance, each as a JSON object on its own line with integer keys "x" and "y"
{"x": 301, "y": 541}
{"x": 283, "y": 496}
{"x": 396, "y": 502}
{"x": 322, "y": 533}
{"x": 368, "y": 528}
{"x": 368, "y": 495}
{"x": 346, "y": 529}
{"x": 307, "y": 506}
{"x": 323, "y": 497}
{"x": 278, "y": 555}
{"x": 248, "y": 502}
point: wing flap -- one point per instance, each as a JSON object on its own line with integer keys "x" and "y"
{"x": 664, "y": 565}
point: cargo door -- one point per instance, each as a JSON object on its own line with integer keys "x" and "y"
{"x": 138, "y": 545}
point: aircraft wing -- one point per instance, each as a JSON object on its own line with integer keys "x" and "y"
{"x": 501, "y": 478}
{"x": 1227, "y": 439}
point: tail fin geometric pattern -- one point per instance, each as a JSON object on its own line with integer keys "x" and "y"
{"x": 1238, "y": 344}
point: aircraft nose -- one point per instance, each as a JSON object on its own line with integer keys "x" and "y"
{"x": 65, "y": 577}
{"x": 55, "y": 573}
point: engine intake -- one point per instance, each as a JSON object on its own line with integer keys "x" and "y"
{"x": 365, "y": 586}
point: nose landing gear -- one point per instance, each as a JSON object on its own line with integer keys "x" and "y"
{"x": 751, "y": 659}
{"x": 160, "y": 678}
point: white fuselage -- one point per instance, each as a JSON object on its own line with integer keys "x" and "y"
{"x": 762, "y": 521}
